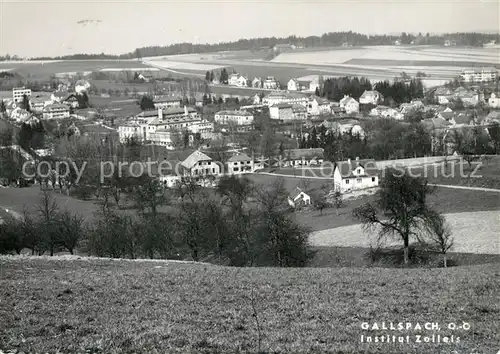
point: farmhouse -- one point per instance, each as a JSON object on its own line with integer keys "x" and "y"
{"x": 349, "y": 104}
{"x": 386, "y": 112}
{"x": 298, "y": 197}
{"x": 350, "y": 126}
{"x": 81, "y": 86}
{"x": 283, "y": 47}
{"x": 71, "y": 101}
{"x": 239, "y": 164}
{"x": 257, "y": 82}
{"x": 443, "y": 95}
{"x": 355, "y": 175}
{"x": 285, "y": 111}
{"x": 318, "y": 106}
{"x": 270, "y": 83}
{"x": 237, "y": 80}
{"x": 234, "y": 117}
{"x": 59, "y": 96}
{"x": 199, "y": 164}
{"x": 407, "y": 108}
{"x": 299, "y": 112}
{"x": 304, "y": 157}
{"x": 19, "y": 114}
{"x": 56, "y": 111}
{"x": 462, "y": 119}
{"x": 492, "y": 117}
{"x": 494, "y": 101}
{"x": 371, "y": 97}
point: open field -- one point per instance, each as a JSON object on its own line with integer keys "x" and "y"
{"x": 414, "y": 54}
{"x": 177, "y": 65}
{"x": 43, "y": 70}
{"x": 376, "y": 63}
{"x": 475, "y": 232}
{"x": 117, "y": 306}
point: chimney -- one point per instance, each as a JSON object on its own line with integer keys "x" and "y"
{"x": 160, "y": 113}
{"x": 185, "y": 110}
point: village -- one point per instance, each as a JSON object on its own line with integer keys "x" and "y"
{"x": 187, "y": 129}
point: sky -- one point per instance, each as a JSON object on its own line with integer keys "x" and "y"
{"x": 32, "y": 28}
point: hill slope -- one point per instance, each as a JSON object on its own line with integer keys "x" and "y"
{"x": 116, "y": 306}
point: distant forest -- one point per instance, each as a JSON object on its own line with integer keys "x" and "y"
{"x": 256, "y": 44}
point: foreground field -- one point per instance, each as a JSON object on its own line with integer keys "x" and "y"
{"x": 106, "y": 306}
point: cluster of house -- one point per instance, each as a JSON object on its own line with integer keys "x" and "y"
{"x": 347, "y": 176}
{"x": 47, "y": 105}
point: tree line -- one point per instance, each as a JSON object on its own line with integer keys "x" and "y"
{"x": 326, "y": 39}
{"x": 387, "y": 139}
{"x": 241, "y": 225}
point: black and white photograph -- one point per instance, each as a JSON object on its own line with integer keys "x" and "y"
{"x": 253, "y": 176}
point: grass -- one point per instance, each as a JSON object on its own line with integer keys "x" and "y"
{"x": 39, "y": 71}
{"x": 359, "y": 257}
{"x": 487, "y": 174}
{"x": 106, "y": 306}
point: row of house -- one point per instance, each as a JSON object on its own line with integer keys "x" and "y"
{"x": 347, "y": 176}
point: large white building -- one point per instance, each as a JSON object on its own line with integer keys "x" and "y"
{"x": 234, "y": 117}
{"x": 479, "y": 74}
{"x": 167, "y": 102}
{"x": 56, "y": 111}
{"x": 494, "y": 101}
{"x": 157, "y": 126}
{"x": 19, "y": 92}
{"x": 275, "y": 98}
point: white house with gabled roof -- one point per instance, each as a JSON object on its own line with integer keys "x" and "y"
{"x": 349, "y": 104}
{"x": 355, "y": 175}
{"x": 238, "y": 164}
{"x": 298, "y": 197}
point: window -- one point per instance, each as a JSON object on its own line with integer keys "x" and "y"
{"x": 235, "y": 163}
{"x": 359, "y": 171}
{"x": 236, "y": 169}
{"x": 346, "y": 181}
{"x": 373, "y": 179}
{"x": 213, "y": 170}
{"x": 359, "y": 180}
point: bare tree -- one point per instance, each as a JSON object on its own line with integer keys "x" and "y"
{"x": 48, "y": 210}
{"x": 438, "y": 234}
{"x": 400, "y": 209}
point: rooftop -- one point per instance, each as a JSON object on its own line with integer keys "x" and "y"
{"x": 234, "y": 113}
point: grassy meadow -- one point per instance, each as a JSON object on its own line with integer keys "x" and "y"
{"x": 44, "y": 70}
{"x": 117, "y": 306}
